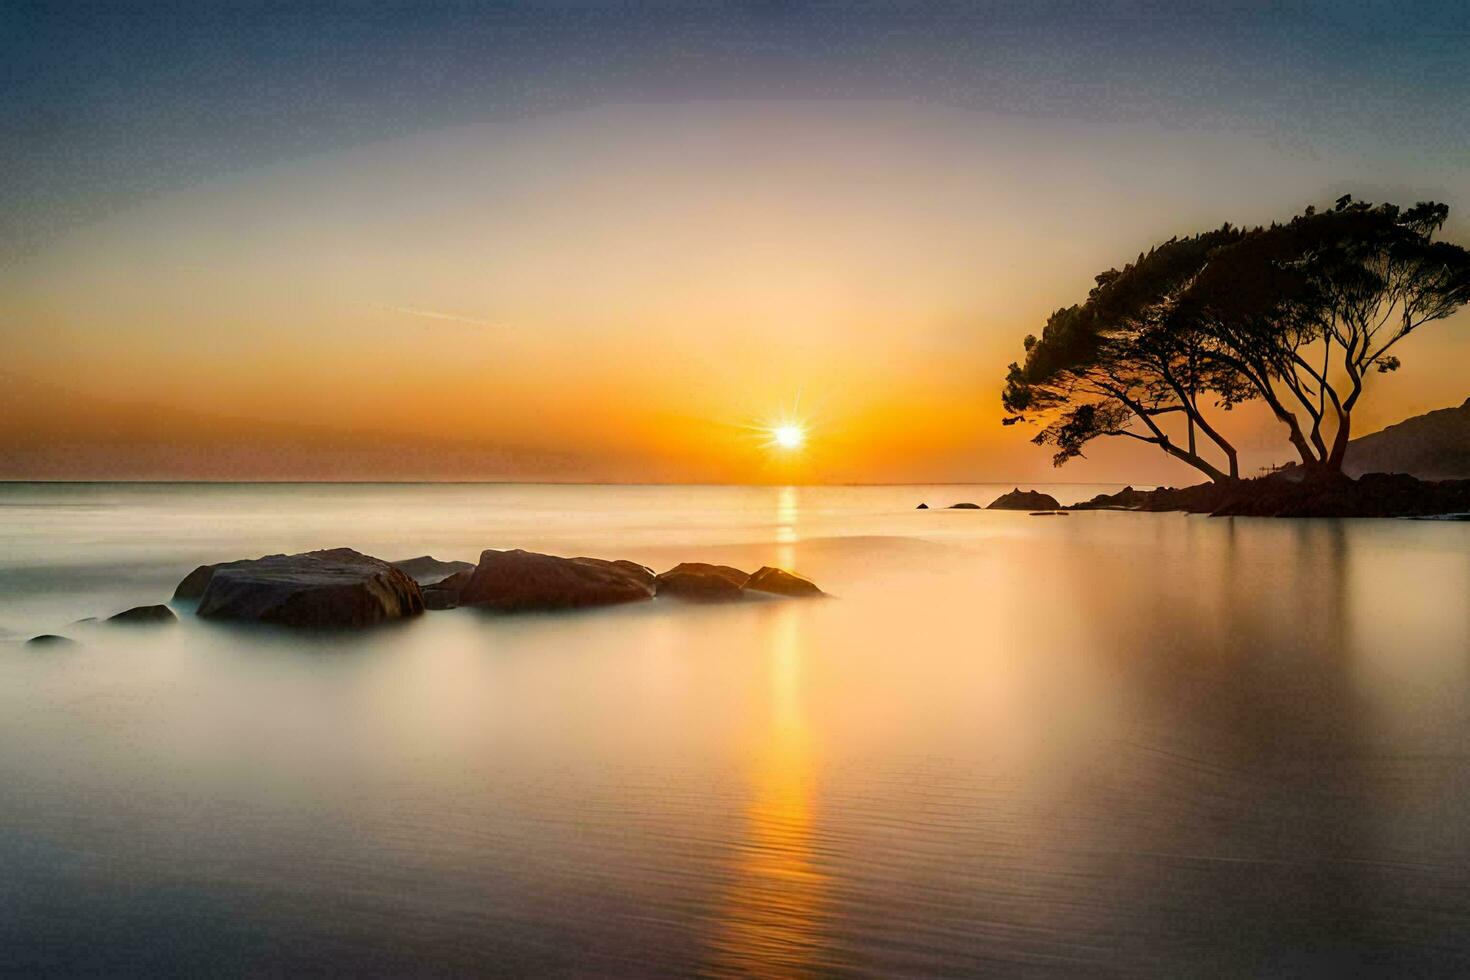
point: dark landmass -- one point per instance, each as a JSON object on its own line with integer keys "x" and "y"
{"x": 964, "y": 506}
{"x": 1432, "y": 446}
{"x": 1019, "y": 499}
{"x": 1284, "y": 494}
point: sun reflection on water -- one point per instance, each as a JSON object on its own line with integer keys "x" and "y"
{"x": 772, "y": 919}
{"x": 788, "y": 514}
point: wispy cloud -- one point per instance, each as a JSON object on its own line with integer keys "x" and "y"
{"x": 436, "y": 315}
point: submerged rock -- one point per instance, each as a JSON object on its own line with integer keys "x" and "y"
{"x": 523, "y": 580}
{"x": 778, "y": 581}
{"x": 51, "y": 640}
{"x": 144, "y": 614}
{"x": 335, "y": 588}
{"x": 700, "y": 582}
{"x": 1019, "y": 499}
{"x": 1049, "y": 513}
{"x": 427, "y": 570}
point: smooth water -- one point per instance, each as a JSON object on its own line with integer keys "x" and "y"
{"x": 1106, "y": 743}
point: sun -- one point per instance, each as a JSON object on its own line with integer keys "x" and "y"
{"x": 788, "y": 436}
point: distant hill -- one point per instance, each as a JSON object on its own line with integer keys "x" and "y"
{"x": 1432, "y": 446}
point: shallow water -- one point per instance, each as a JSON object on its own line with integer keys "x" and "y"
{"x": 1106, "y": 743}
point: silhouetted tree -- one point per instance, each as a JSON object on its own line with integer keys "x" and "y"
{"x": 1124, "y": 364}
{"x": 1305, "y": 311}
{"x": 1296, "y": 314}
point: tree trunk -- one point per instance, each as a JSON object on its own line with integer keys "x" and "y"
{"x": 1340, "y": 443}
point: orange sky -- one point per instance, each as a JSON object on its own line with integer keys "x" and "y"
{"x": 621, "y": 294}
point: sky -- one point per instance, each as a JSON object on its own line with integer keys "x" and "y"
{"x": 619, "y": 242}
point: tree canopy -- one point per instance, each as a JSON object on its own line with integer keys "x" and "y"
{"x": 1297, "y": 314}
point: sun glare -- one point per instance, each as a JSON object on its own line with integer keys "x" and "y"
{"x": 788, "y": 436}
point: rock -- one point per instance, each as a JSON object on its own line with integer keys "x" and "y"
{"x": 964, "y": 506}
{"x": 427, "y": 570}
{"x": 51, "y": 640}
{"x": 444, "y": 594}
{"x": 1019, "y": 499}
{"x": 193, "y": 585}
{"x": 780, "y": 582}
{"x": 335, "y": 588}
{"x": 922, "y": 507}
{"x": 1125, "y": 499}
{"x": 144, "y": 614}
{"x": 523, "y": 580}
{"x": 1289, "y": 495}
{"x": 699, "y": 582}
{"x": 1049, "y": 513}
{"x": 642, "y": 573}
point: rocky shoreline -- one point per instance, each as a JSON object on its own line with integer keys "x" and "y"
{"x": 340, "y": 588}
{"x": 1282, "y": 495}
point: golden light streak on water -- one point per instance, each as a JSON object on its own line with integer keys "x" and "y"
{"x": 773, "y": 919}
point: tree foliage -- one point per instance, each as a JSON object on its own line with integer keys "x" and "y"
{"x": 1297, "y": 314}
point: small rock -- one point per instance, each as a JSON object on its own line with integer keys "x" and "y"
{"x": 964, "y": 506}
{"x": 781, "y": 582}
{"x": 144, "y": 614}
{"x": 51, "y": 640}
{"x": 922, "y": 507}
{"x": 1019, "y": 499}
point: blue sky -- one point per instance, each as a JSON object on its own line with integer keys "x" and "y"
{"x": 107, "y": 103}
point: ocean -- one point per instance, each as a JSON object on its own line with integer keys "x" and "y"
{"x": 1109, "y": 743}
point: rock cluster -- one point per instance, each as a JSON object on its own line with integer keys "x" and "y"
{"x": 1288, "y": 495}
{"x": 343, "y": 588}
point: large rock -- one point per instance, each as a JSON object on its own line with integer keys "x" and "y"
{"x": 427, "y": 570}
{"x": 192, "y": 586}
{"x": 781, "y": 582}
{"x": 700, "y": 582}
{"x": 1019, "y": 499}
{"x": 966, "y": 505}
{"x": 144, "y": 614}
{"x": 335, "y": 588}
{"x": 523, "y": 580}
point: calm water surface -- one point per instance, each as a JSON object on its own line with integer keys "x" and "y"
{"x": 1110, "y": 743}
